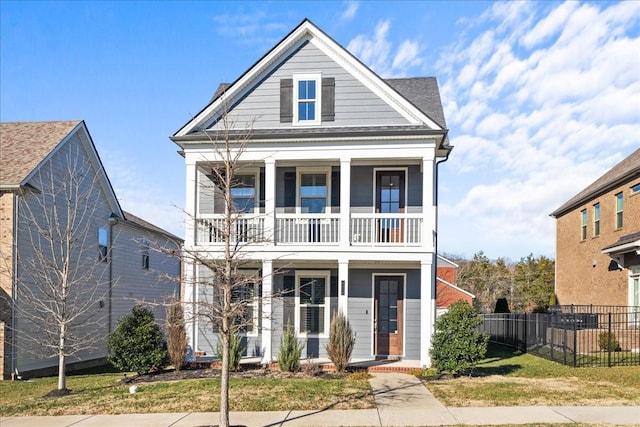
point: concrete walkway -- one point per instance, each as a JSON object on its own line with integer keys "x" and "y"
{"x": 401, "y": 400}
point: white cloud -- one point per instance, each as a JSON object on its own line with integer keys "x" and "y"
{"x": 380, "y": 54}
{"x": 535, "y": 95}
{"x": 350, "y": 12}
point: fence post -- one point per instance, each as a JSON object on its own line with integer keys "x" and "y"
{"x": 524, "y": 337}
{"x": 575, "y": 342}
{"x": 609, "y": 342}
{"x": 553, "y": 334}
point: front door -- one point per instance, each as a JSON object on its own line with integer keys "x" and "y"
{"x": 390, "y": 200}
{"x": 387, "y": 321}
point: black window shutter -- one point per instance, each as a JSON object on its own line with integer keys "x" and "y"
{"x": 286, "y": 100}
{"x": 328, "y": 99}
{"x": 289, "y": 189}
{"x": 262, "y": 188}
{"x": 335, "y": 187}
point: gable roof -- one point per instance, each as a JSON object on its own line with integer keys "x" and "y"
{"x": 410, "y": 107}
{"x": 141, "y": 223}
{"x": 625, "y": 171}
{"x": 24, "y": 145}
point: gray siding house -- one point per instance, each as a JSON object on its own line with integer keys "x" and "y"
{"x": 51, "y": 176}
{"x": 336, "y": 203}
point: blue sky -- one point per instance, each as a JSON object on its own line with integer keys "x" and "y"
{"x": 541, "y": 98}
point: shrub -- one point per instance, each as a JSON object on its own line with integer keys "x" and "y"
{"x": 457, "y": 345}
{"x": 235, "y": 350}
{"x": 311, "y": 369}
{"x": 136, "y": 344}
{"x": 176, "y": 335}
{"x": 608, "y": 341}
{"x": 290, "y": 349}
{"x": 341, "y": 342}
{"x": 359, "y": 376}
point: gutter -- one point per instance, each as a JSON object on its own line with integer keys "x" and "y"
{"x": 14, "y": 284}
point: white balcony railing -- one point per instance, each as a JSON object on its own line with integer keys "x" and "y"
{"x": 247, "y": 229}
{"x": 397, "y": 229}
{"x": 308, "y": 228}
{"x": 366, "y": 229}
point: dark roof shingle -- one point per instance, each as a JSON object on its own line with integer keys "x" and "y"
{"x": 626, "y": 170}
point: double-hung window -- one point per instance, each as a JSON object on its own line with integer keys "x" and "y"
{"x": 145, "y": 255}
{"x": 244, "y": 299}
{"x": 312, "y": 302}
{"x": 307, "y": 91}
{"x": 243, "y": 193}
{"x": 619, "y": 209}
{"x": 313, "y": 192}
{"x": 583, "y": 224}
{"x": 596, "y": 219}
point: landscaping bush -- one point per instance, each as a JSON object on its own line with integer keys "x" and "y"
{"x": 290, "y": 349}
{"x": 341, "y": 342}
{"x": 608, "y": 341}
{"x": 457, "y": 345}
{"x": 235, "y": 350}
{"x": 176, "y": 335}
{"x": 136, "y": 344}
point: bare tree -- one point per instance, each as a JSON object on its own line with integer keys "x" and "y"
{"x": 62, "y": 272}
{"x": 228, "y": 298}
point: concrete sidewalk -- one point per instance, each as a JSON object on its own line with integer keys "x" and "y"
{"x": 401, "y": 400}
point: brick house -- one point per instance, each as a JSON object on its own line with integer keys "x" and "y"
{"x": 446, "y": 290}
{"x": 598, "y": 240}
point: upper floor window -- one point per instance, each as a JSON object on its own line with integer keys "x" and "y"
{"x": 307, "y": 99}
{"x": 145, "y": 254}
{"x": 619, "y": 209}
{"x": 596, "y": 219}
{"x": 103, "y": 244}
{"x": 243, "y": 193}
{"x": 583, "y": 222}
{"x": 635, "y": 189}
{"x": 313, "y": 192}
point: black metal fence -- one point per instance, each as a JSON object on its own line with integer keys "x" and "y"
{"x": 572, "y": 335}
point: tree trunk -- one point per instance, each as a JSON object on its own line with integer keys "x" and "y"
{"x": 224, "y": 381}
{"x": 62, "y": 377}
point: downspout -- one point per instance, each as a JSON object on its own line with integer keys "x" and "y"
{"x": 435, "y": 202}
{"x": 112, "y": 220}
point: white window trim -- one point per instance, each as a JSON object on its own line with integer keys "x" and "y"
{"x": 584, "y": 220}
{"x": 255, "y": 303}
{"x": 618, "y": 211}
{"x": 317, "y": 77}
{"x": 325, "y": 274}
{"x": 596, "y": 219}
{"x": 307, "y": 171}
{"x": 406, "y": 186}
{"x": 404, "y": 311}
{"x": 256, "y": 173}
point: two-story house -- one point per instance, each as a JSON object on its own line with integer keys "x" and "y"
{"x": 598, "y": 240}
{"x": 59, "y": 216}
{"x": 337, "y": 191}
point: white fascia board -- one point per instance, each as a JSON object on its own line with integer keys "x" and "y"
{"x": 625, "y": 248}
{"x": 455, "y": 287}
{"x": 371, "y": 80}
{"x": 448, "y": 261}
{"x": 264, "y": 65}
{"x": 307, "y": 31}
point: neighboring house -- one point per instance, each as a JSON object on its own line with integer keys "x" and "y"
{"x": 447, "y": 292}
{"x": 39, "y": 162}
{"x": 598, "y": 240}
{"x": 338, "y": 189}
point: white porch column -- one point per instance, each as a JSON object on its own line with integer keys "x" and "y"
{"x": 267, "y": 310}
{"x": 427, "y": 308}
{"x": 190, "y": 207}
{"x": 189, "y": 290}
{"x": 270, "y": 200}
{"x": 428, "y": 205}
{"x": 343, "y": 286}
{"x": 345, "y": 202}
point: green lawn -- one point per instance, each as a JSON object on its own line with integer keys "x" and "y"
{"x": 101, "y": 393}
{"x": 507, "y": 377}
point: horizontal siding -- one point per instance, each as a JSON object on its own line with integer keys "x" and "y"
{"x": 355, "y": 104}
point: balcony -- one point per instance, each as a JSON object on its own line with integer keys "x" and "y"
{"x": 400, "y": 229}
